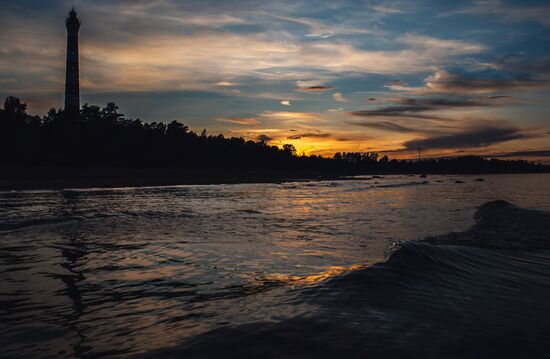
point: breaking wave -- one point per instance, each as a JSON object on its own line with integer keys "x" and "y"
{"x": 479, "y": 293}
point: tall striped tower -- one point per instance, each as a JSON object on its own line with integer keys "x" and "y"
{"x": 72, "y": 86}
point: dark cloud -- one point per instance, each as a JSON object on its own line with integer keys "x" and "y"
{"x": 395, "y": 111}
{"x": 446, "y": 82}
{"x": 396, "y": 83}
{"x": 386, "y": 126}
{"x": 442, "y": 102}
{"x": 498, "y": 97}
{"x": 264, "y": 138}
{"x": 476, "y": 137}
{"x": 411, "y": 111}
{"x": 414, "y": 107}
{"x": 311, "y": 135}
{"x": 316, "y": 88}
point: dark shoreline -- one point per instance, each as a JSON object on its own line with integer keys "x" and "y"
{"x": 52, "y": 177}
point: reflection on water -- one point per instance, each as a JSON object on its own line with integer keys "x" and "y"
{"x": 122, "y": 271}
{"x": 331, "y": 271}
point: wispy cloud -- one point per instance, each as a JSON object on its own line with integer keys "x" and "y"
{"x": 239, "y": 121}
{"x": 284, "y": 115}
{"x": 386, "y": 9}
{"x": 448, "y": 47}
{"x": 308, "y": 135}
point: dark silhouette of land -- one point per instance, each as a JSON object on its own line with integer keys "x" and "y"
{"x": 101, "y": 147}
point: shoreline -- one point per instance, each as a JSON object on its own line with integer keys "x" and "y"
{"x": 20, "y": 178}
{"x": 57, "y": 178}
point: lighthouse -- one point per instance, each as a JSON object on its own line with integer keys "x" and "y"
{"x": 72, "y": 90}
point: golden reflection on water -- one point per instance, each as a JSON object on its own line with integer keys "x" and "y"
{"x": 330, "y": 272}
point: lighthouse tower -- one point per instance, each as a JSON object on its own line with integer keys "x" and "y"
{"x": 72, "y": 91}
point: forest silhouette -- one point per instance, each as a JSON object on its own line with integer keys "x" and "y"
{"x": 104, "y": 136}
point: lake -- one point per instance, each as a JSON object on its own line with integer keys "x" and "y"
{"x": 126, "y": 272}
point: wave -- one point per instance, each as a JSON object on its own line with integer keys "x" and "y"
{"x": 501, "y": 225}
{"x": 478, "y": 293}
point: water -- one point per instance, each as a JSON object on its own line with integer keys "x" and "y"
{"x": 126, "y": 272}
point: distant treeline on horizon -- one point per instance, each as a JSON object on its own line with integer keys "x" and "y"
{"x": 103, "y": 136}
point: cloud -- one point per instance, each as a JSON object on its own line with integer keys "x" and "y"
{"x": 397, "y": 85}
{"x": 129, "y": 46}
{"x": 239, "y": 121}
{"x": 263, "y": 138}
{"x": 386, "y": 126}
{"x": 500, "y": 11}
{"x": 446, "y": 82}
{"x": 284, "y": 115}
{"x": 415, "y": 107}
{"x": 309, "y": 135}
{"x": 317, "y": 88}
{"x": 395, "y": 111}
{"x": 436, "y": 103}
{"x": 337, "y": 96}
{"x": 371, "y": 100}
{"x": 386, "y": 9}
{"x": 320, "y": 29}
{"x": 413, "y": 111}
{"x": 285, "y": 102}
{"x": 226, "y": 83}
{"x": 435, "y": 45}
{"x": 470, "y": 138}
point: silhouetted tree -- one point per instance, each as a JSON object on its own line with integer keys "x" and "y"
{"x": 104, "y": 136}
{"x": 290, "y": 149}
{"x": 14, "y": 105}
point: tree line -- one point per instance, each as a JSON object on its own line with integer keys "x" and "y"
{"x": 104, "y": 136}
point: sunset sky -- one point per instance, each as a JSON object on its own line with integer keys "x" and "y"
{"x": 472, "y": 77}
